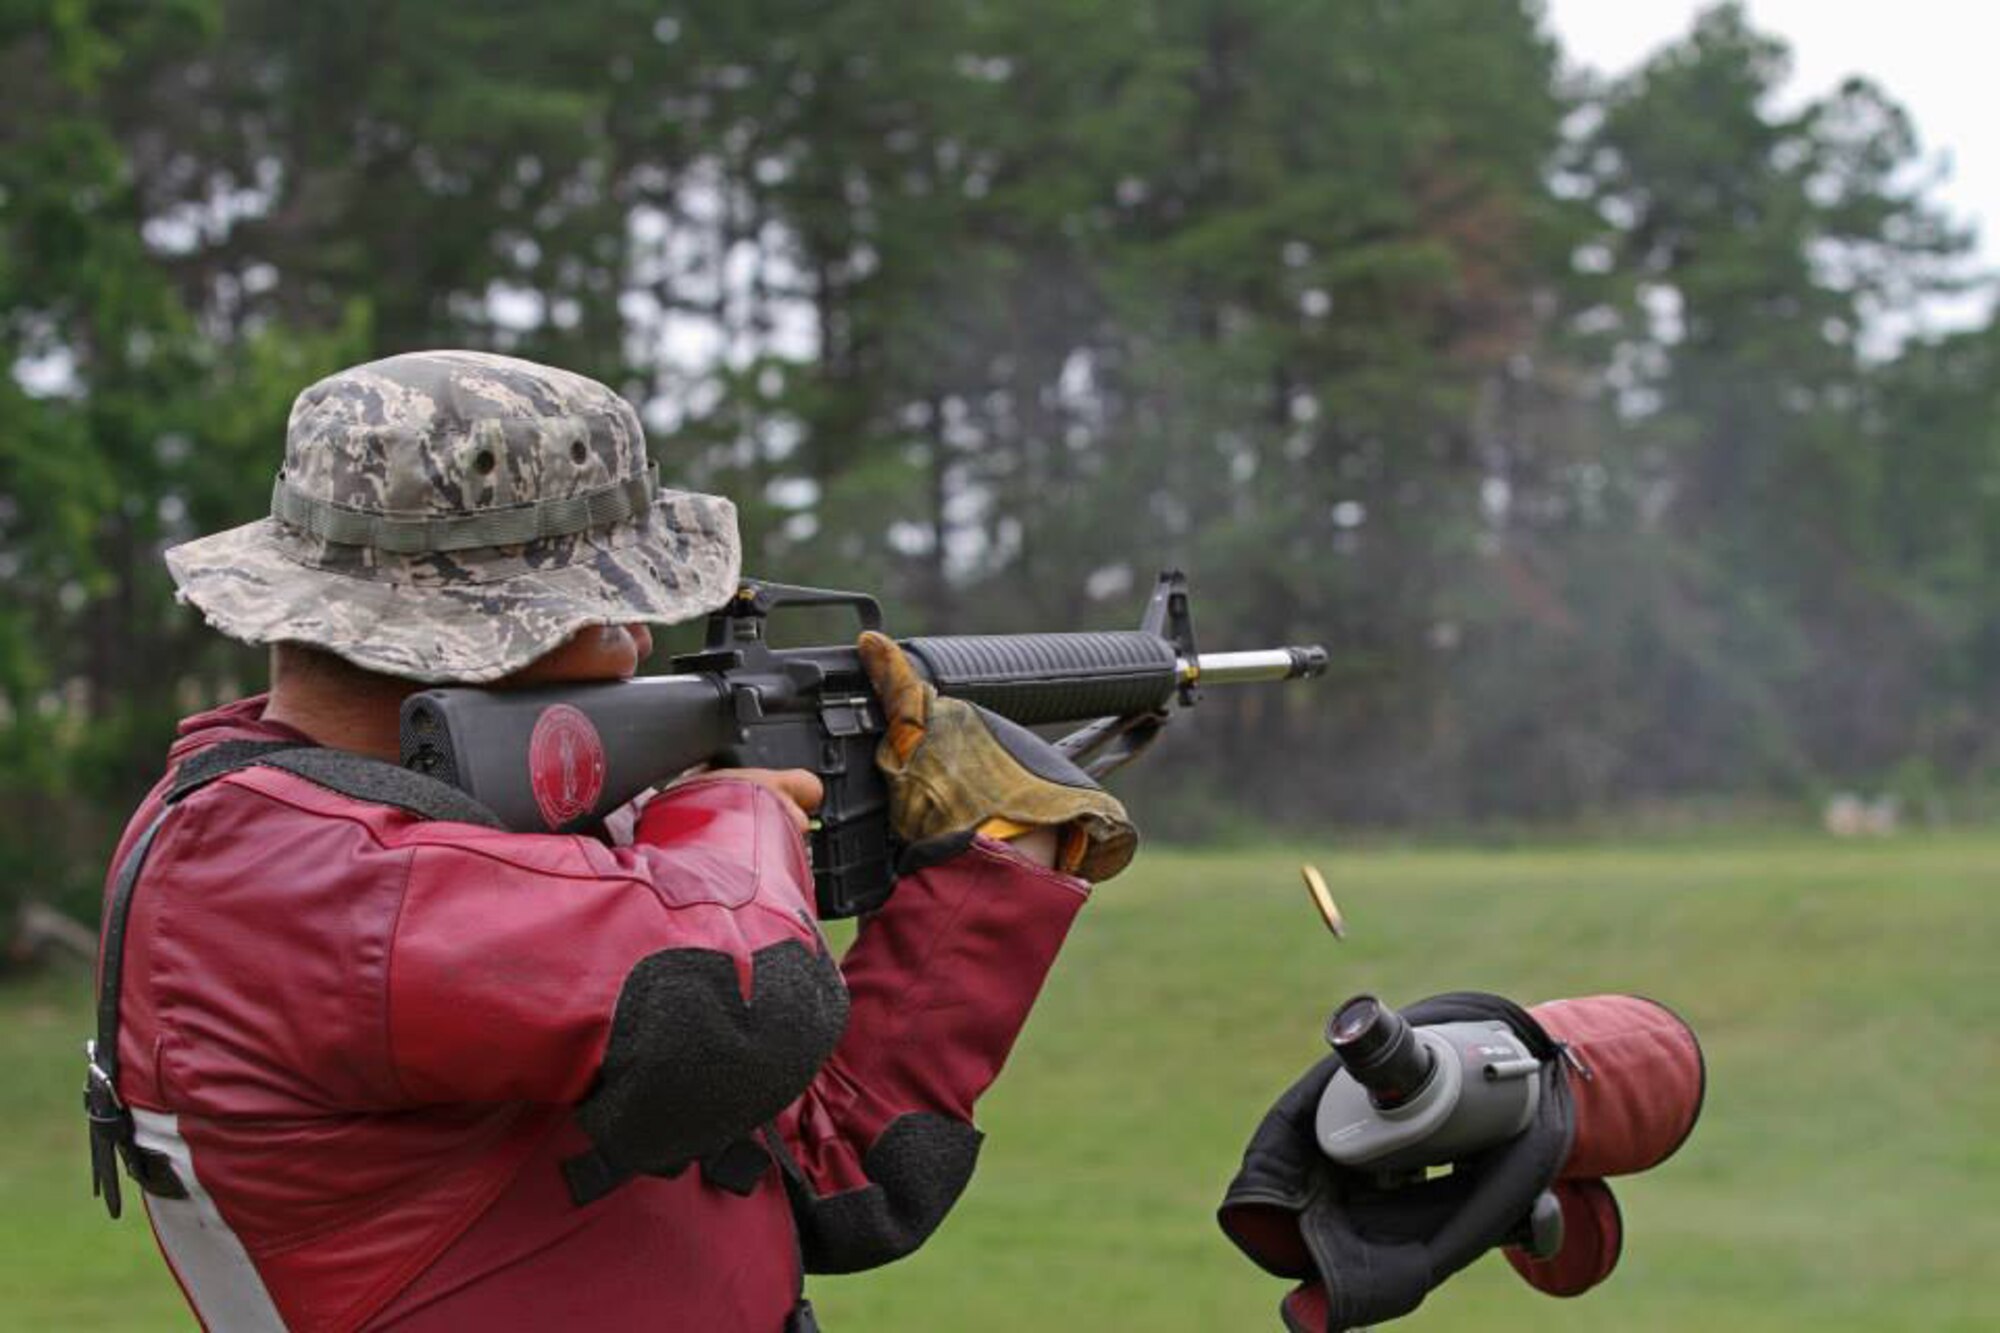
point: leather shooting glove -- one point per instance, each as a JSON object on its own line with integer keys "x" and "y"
{"x": 955, "y": 770}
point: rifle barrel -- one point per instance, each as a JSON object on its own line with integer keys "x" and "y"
{"x": 1293, "y": 663}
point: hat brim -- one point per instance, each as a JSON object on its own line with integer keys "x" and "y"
{"x": 684, "y": 558}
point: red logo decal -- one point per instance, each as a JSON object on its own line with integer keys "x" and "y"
{"x": 565, "y": 764}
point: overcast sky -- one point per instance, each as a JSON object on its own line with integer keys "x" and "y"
{"x": 1936, "y": 57}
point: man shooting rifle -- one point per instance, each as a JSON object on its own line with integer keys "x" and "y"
{"x": 378, "y": 1061}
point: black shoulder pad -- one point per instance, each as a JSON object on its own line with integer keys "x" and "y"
{"x": 381, "y": 783}
{"x": 373, "y": 780}
{"x": 219, "y": 761}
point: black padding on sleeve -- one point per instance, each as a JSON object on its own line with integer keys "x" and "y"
{"x": 1036, "y": 755}
{"x": 690, "y": 1067}
{"x": 917, "y": 1170}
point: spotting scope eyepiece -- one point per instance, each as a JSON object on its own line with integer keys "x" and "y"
{"x": 1377, "y": 1047}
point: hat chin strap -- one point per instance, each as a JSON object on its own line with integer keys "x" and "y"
{"x": 510, "y": 525}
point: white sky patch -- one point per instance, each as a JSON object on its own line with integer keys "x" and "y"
{"x": 1665, "y": 312}
{"x": 792, "y": 492}
{"x": 50, "y": 374}
{"x": 1108, "y": 581}
{"x": 518, "y": 309}
{"x": 1935, "y": 57}
{"x": 910, "y": 539}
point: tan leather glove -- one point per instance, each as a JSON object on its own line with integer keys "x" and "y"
{"x": 955, "y": 769}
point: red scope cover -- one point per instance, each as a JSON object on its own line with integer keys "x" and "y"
{"x": 1637, "y": 1081}
{"x": 1636, "y": 1077}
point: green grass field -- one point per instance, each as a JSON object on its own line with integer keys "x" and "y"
{"x": 1845, "y": 1176}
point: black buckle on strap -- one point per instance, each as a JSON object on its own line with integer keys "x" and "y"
{"x": 114, "y": 1135}
{"x": 110, "y": 1125}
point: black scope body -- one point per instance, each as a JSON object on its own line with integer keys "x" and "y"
{"x": 1377, "y": 1046}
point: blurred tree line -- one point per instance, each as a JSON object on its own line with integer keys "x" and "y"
{"x": 1559, "y": 409}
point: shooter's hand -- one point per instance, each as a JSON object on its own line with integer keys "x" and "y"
{"x": 955, "y": 770}
{"x": 800, "y": 789}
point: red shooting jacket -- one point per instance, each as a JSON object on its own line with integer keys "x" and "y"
{"x": 359, "y": 1037}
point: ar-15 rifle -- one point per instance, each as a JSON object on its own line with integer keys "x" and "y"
{"x": 559, "y": 758}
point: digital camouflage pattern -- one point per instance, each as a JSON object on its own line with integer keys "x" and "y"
{"x": 447, "y": 435}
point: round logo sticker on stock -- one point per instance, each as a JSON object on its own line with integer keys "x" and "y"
{"x": 565, "y": 765}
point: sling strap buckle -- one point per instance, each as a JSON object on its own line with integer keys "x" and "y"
{"x": 115, "y": 1135}
{"x": 98, "y": 1086}
{"x": 110, "y": 1123}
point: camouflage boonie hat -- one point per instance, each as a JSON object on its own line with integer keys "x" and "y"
{"x": 452, "y": 516}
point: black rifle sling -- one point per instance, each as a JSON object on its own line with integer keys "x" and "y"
{"x": 113, "y": 1133}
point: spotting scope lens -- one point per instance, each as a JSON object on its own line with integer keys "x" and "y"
{"x": 1378, "y": 1048}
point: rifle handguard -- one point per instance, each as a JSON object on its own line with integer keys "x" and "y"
{"x": 1040, "y": 678}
